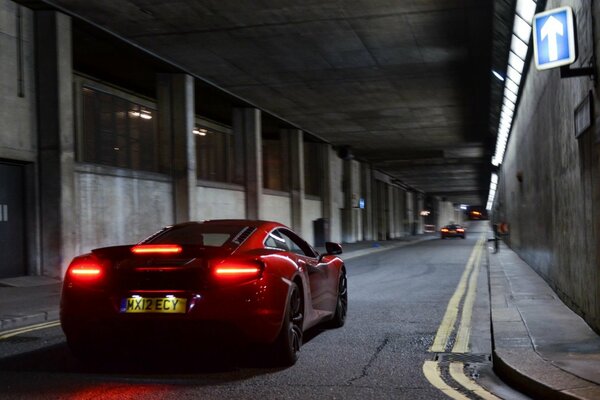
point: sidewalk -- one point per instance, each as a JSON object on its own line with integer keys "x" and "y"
{"x": 541, "y": 347}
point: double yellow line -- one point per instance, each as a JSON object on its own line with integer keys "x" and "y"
{"x": 466, "y": 289}
{"x": 30, "y": 328}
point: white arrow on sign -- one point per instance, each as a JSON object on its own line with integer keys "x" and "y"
{"x": 551, "y": 28}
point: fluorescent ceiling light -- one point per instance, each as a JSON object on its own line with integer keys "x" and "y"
{"x": 515, "y": 62}
{"x": 522, "y": 29}
{"x": 526, "y": 10}
{"x": 513, "y": 74}
{"x": 510, "y": 95}
{"x": 513, "y": 87}
{"x": 508, "y": 105}
{"x": 518, "y": 47}
{"x": 497, "y": 75}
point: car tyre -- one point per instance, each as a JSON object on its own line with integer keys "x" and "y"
{"x": 288, "y": 343}
{"x": 341, "y": 309}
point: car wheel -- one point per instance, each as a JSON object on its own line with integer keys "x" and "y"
{"x": 289, "y": 341}
{"x": 341, "y": 309}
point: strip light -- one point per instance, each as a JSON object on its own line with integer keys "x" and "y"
{"x": 524, "y": 12}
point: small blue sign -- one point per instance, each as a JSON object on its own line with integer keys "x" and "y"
{"x": 554, "y": 38}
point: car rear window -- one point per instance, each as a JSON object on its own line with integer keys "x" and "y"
{"x": 198, "y": 235}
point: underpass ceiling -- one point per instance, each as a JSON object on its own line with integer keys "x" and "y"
{"x": 405, "y": 84}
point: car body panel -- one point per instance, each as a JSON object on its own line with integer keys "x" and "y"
{"x": 250, "y": 308}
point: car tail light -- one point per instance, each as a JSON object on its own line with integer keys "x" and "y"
{"x": 87, "y": 268}
{"x": 444, "y": 230}
{"x": 460, "y": 230}
{"x": 156, "y": 249}
{"x": 237, "y": 271}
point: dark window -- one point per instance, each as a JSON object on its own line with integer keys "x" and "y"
{"x": 273, "y": 165}
{"x": 118, "y": 132}
{"x": 197, "y": 234}
{"x": 313, "y": 170}
{"x": 296, "y": 245}
{"x": 214, "y": 155}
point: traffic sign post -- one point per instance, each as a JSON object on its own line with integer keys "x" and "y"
{"x": 554, "y": 38}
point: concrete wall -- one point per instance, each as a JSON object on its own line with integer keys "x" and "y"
{"x": 215, "y": 203}
{"x": 337, "y": 171}
{"x": 17, "y": 84}
{"x": 549, "y": 182}
{"x": 311, "y": 210}
{"x": 119, "y": 208}
{"x": 276, "y": 208}
{"x": 446, "y": 214}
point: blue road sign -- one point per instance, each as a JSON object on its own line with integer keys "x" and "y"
{"x": 554, "y": 38}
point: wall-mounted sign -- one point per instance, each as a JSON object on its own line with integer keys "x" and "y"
{"x": 554, "y": 38}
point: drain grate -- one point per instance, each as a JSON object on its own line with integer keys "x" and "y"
{"x": 463, "y": 357}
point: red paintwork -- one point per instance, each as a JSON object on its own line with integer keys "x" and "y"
{"x": 250, "y": 304}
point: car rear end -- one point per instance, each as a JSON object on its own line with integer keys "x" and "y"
{"x": 170, "y": 291}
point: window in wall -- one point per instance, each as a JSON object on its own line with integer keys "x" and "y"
{"x": 214, "y": 152}
{"x": 118, "y": 132}
{"x": 313, "y": 171}
{"x": 274, "y": 170}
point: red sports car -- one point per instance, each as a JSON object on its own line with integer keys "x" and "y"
{"x": 240, "y": 280}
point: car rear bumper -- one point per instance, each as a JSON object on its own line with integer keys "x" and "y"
{"x": 252, "y": 312}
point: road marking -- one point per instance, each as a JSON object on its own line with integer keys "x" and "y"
{"x": 30, "y": 328}
{"x": 447, "y": 326}
{"x": 461, "y": 344}
{"x": 431, "y": 369}
{"x": 457, "y": 373}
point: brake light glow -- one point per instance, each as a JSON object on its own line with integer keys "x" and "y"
{"x": 460, "y": 230}
{"x": 444, "y": 230}
{"x": 86, "y": 271}
{"x": 85, "y": 268}
{"x": 156, "y": 249}
{"x": 229, "y": 271}
{"x": 237, "y": 271}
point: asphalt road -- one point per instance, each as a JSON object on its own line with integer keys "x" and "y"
{"x": 398, "y": 299}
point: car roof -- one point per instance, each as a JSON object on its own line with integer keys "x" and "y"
{"x": 266, "y": 225}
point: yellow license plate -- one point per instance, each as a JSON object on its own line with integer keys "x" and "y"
{"x": 174, "y": 305}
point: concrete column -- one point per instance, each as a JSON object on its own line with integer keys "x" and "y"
{"x": 54, "y": 77}
{"x": 350, "y": 193}
{"x": 328, "y": 189}
{"x": 247, "y": 131}
{"x": 295, "y": 144}
{"x": 175, "y": 93}
{"x": 420, "y": 207}
{"x": 410, "y": 216}
{"x": 367, "y": 212}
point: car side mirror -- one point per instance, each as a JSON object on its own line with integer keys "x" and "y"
{"x": 333, "y": 248}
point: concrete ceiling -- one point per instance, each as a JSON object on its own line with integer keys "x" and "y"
{"x": 404, "y": 84}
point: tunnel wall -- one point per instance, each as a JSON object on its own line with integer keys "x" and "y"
{"x": 215, "y": 203}
{"x": 549, "y": 179}
{"x": 277, "y": 208}
{"x": 119, "y": 208}
{"x": 17, "y": 103}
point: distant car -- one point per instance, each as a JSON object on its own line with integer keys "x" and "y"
{"x": 452, "y": 230}
{"x": 223, "y": 280}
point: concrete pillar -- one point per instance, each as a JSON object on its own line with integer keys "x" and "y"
{"x": 420, "y": 207}
{"x": 54, "y": 75}
{"x": 349, "y": 221}
{"x": 295, "y": 145}
{"x": 247, "y": 131}
{"x": 367, "y": 212}
{"x": 328, "y": 188}
{"x": 410, "y": 216}
{"x": 175, "y": 94}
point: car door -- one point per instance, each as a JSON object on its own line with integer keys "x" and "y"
{"x": 319, "y": 274}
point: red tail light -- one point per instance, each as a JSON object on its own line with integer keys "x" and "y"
{"x": 85, "y": 268}
{"x": 156, "y": 249}
{"x": 444, "y": 230}
{"x": 460, "y": 230}
{"x": 237, "y": 271}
